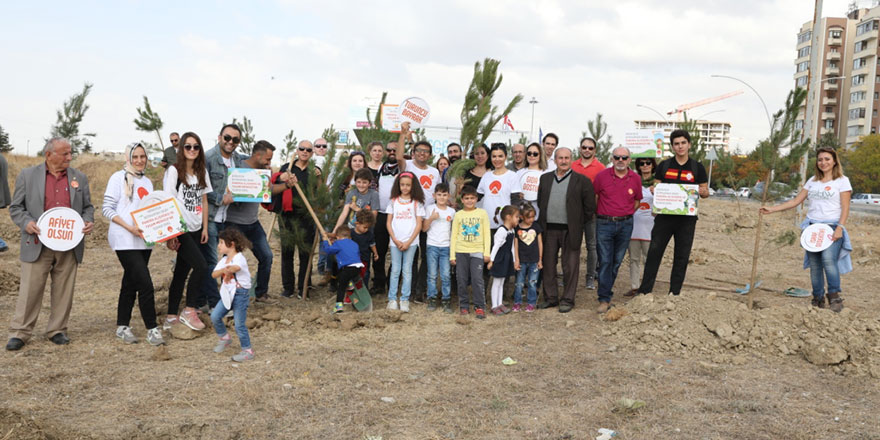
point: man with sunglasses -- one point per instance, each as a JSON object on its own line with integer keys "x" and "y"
{"x": 428, "y": 177}
{"x": 387, "y": 173}
{"x": 518, "y": 160}
{"x": 169, "y": 157}
{"x": 320, "y": 151}
{"x": 589, "y": 166}
{"x": 677, "y": 169}
{"x": 294, "y": 221}
{"x": 618, "y": 193}
{"x": 218, "y": 160}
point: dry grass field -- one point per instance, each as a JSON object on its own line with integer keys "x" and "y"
{"x": 704, "y": 365}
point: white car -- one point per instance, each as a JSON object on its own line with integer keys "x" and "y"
{"x": 866, "y": 199}
{"x": 743, "y": 192}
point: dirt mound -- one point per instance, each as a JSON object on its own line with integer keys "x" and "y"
{"x": 18, "y": 426}
{"x": 717, "y": 327}
{"x": 9, "y": 282}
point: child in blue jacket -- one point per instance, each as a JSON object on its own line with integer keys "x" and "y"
{"x": 348, "y": 259}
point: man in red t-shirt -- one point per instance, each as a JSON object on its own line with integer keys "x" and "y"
{"x": 589, "y": 166}
{"x": 618, "y": 192}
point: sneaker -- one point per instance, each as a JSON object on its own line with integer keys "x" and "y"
{"x": 287, "y": 294}
{"x": 265, "y": 299}
{"x": 530, "y": 308}
{"x": 463, "y": 312}
{"x": 299, "y": 294}
{"x": 392, "y": 305}
{"x": 170, "y": 320}
{"x": 591, "y": 284}
{"x": 244, "y": 355}
{"x": 124, "y": 332}
{"x": 447, "y": 307}
{"x": 496, "y": 311}
{"x": 222, "y": 344}
{"x": 481, "y": 314}
{"x": 190, "y": 318}
{"x": 154, "y": 336}
{"x": 432, "y": 304}
{"x": 603, "y": 307}
{"x": 338, "y": 309}
{"x": 504, "y": 309}
{"x": 517, "y": 307}
{"x": 404, "y": 306}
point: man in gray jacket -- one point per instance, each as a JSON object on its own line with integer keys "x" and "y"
{"x": 218, "y": 161}
{"x": 5, "y": 197}
{"x": 37, "y": 189}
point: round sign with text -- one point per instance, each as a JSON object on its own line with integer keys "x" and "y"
{"x": 61, "y": 229}
{"x": 415, "y": 110}
{"x": 816, "y": 237}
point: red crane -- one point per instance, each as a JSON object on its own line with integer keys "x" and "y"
{"x": 686, "y": 107}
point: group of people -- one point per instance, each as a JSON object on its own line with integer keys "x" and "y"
{"x": 499, "y": 219}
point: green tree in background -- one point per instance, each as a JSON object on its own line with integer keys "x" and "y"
{"x": 290, "y": 142}
{"x": 598, "y": 130}
{"x": 5, "y": 146}
{"x": 478, "y": 116}
{"x": 861, "y": 164}
{"x": 247, "y": 135}
{"x": 69, "y": 118}
{"x": 331, "y": 135}
{"x": 375, "y": 132}
{"x": 149, "y": 121}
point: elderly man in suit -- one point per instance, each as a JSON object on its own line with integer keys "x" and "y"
{"x": 37, "y": 189}
{"x": 568, "y": 200}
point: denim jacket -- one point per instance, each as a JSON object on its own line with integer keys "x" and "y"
{"x": 217, "y": 172}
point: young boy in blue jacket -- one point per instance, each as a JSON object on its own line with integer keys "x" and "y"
{"x": 348, "y": 259}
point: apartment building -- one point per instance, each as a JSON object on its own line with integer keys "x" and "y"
{"x": 714, "y": 134}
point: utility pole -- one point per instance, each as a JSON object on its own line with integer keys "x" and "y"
{"x": 810, "y": 104}
{"x": 533, "y": 101}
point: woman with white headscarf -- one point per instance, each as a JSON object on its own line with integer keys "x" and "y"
{"x": 125, "y": 189}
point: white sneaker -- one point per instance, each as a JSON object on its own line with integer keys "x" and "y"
{"x": 392, "y": 305}
{"x": 169, "y": 322}
{"x": 404, "y": 306}
{"x": 154, "y": 336}
{"x": 124, "y": 332}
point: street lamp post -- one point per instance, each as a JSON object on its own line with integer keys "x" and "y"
{"x": 767, "y": 112}
{"x": 655, "y": 111}
{"x": 533, "y": 101}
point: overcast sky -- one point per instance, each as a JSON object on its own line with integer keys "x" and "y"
{"x": 203, "y": 63}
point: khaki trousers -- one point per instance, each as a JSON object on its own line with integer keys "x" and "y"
{"x": 62, "y": 267}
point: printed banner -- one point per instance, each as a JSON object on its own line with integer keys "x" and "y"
{"x": 644, "y": 143}
{"x": 61, "y": 229}
{"x": 390, "y": 118}
{"x": 160, "y": 221}
{"x": 249, "y": 185}
{"x": 676, "y": 199}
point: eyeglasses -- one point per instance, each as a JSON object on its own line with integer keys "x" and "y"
{"x": 533, "y": 154}
{"x": 391, "y": 150}
{"x": 305, "y": 149}
{"x": 641, "y": 163}
{"x": 423, "y": 150}
{"x": 321, "y": 146}
{"x": 234, "y": 140}
{"x": 174, "y": 141}
{"x": 584, "y": 147}
{"x": 621, "y": 157}
{"x": 193, "y": 147}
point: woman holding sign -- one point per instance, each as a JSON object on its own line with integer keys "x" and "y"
{"x": 188, "y": 181}
{"x": 829, "y": 193}
{"x": 125, "y": 189}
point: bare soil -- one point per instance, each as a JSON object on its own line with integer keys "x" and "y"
{"x": 705, "y": 366}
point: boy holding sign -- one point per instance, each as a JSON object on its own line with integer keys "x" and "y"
{"x": 680, "y": 169}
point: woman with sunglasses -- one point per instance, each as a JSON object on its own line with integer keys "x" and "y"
{"x": 829, "y": 193}
{"x": 643, "y": 222}
{"x": 528, "y": 178}
{"x": 188, "y": 181}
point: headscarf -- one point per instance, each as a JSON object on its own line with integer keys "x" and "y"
{"x": 130, "y": 173}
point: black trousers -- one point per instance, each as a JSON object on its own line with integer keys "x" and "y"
{"x": 346, "y": 274}
{"x": 290, "y": 226}
{"x": 420, "y": 270}
{"x": 189, "y": 257}
{"x": 666, "y": 227}
{"x": 136, "y": 283}
{"x": 380, "y": 275}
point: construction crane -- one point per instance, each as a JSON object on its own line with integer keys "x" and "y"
{"x": 686, "y": 107}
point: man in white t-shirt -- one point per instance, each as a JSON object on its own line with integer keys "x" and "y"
{"x": 428, "y": 177}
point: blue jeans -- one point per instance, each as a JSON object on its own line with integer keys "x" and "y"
{"x": 825, "y": 261}
{"x": 401, "y": 259}
{"x": 210, "y": 290}
{"x": 239, "y": 313}
{"x": 257, "y": 236}
{"x": 438, "y": 260}
{"x": 613, "y": 241}
{"x": 528, "y": 272}
{"x": 3, "y": 243}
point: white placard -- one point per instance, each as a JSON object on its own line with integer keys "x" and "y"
{"x": 415, "y": 111}
{"x": 816, "y": 237}
{"x": 676, "y": 198}
{"x": 61, "y": 229}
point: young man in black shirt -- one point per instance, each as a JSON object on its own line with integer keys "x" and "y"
{"x": 677, "y": 169}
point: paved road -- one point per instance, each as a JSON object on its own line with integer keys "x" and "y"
{"x": 866, "y": 209}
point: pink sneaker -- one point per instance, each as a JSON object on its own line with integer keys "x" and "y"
{"x": 190, "y": 318}
{"x": 530, "y": 308}
{"x": 517, "y": 307}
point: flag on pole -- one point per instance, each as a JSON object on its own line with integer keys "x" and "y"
{"x": 506, "y": 124}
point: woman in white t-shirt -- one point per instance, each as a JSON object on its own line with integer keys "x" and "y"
{"x": 125, "y": 189}
{"x": 643, "y": 223}
{"x": 529, "y": 177}
{"x": 497, "y": 186}
{"x": 829, "y": 193}
{"x": 188, "y": 181}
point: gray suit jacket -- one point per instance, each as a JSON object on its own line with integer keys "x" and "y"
{"x": 30, "y": 197}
